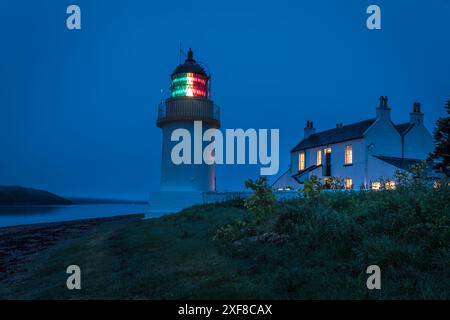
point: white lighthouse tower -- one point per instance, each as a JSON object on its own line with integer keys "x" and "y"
{"x": 183, "y": 184}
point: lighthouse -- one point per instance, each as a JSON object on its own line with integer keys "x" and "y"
{"x": 190, "y": 100}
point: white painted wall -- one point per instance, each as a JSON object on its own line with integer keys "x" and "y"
{"x": 338, "y": 168}
{"x": 418, "y": 142}
{"x": 357, "y": 169}
{"x": 286, "y": 180}
{"x": 379, "y": 169}
{"x": 383, "y": 139}
{"x": 183, "y": 177}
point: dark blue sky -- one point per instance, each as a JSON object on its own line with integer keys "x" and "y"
{"x": 78, "y": 108}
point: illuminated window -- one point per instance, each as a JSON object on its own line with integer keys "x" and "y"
{"x": 319, "y": 157}
{"x": 348, "y": 183}
{"x": 301, "y": 161}
{"x": 348, "y": 154}
{"x": 390, "y": 185}
{"x": 376, "y": 185}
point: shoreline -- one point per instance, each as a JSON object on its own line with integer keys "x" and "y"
{"x": 15, "y": 216}
{"x": 22, "y": 241}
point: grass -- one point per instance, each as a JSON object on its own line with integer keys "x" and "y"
{"x": 327, "y": 244}
{"x": 170, "y": 257}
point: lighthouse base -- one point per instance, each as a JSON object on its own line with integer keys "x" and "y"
{"x": 166, "y": 202}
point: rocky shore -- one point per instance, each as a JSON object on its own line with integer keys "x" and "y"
{"x": 19, "y": 243}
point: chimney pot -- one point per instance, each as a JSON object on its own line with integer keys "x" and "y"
{"x": 383, "y": 110}
{"x": 309, "y": 129}
{"x": 416, "y": 116}
{"x": 383, "y": 102}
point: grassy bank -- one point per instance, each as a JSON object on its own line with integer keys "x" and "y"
{"x": 307, "y": 248}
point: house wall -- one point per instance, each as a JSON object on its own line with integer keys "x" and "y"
{"x": 382, "y": 138}
{"x": 294, "y": 162}
{"x": 418, "y": 143}
{"x": 355, "y": 171}
{"x": 285, "y": 180}
{"x": 360, "y": 172}
{"x": 379, "y": 170}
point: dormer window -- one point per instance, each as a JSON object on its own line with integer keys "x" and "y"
{"x": 348, "y": 155}
{"x": 301, "y": 161}
{"x": 319, "y": 157}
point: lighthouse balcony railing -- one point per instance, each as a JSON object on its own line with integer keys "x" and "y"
{"x": 191, "y": 109}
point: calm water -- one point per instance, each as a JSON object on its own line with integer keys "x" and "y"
{"x": 11, "y": 216}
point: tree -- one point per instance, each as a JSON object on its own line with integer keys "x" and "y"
{"x": 441, "y": 153}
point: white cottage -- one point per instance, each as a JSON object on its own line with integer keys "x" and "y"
{"x": 365, "y": 154}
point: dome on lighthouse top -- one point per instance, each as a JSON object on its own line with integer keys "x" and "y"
{"x": 189, "y": 79}
{"x": 190, "y": 65}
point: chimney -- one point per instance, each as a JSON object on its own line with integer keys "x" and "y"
{"x": 339, "y": 125}
{"x": 416, "y": 116}
{"x": 309, "y": 129}
{"x": 383, "y": 110}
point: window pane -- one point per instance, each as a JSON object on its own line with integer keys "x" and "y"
{"x": 348, "y": 154}
{"x": 301, "y": 161}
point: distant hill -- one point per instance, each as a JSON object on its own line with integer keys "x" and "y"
{"x": 16, "y": 195}
{"x": 77, "y": 200}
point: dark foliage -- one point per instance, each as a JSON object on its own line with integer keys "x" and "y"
{"x": 441, "y": 153}
{"x": 333, "y": 237}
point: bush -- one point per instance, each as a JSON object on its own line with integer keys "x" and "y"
{"x": 312, "y": 187}
{"x": 229, "y": 238}
{"x": 262, "y": 202}
{"x": 332, "y": 237}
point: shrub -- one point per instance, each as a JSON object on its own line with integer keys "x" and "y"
{"x": 334, "y": 236}
{"x": 334, "y": 183}
{"x": 262, "y": 202}
{"x": 229, "y": 238}
{"x": 287, "y": 222}
{"x": 312, "y": 187}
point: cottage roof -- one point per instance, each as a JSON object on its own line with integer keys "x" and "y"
{"x": 401, "y": 163}
{"x": 348, "y": 132}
